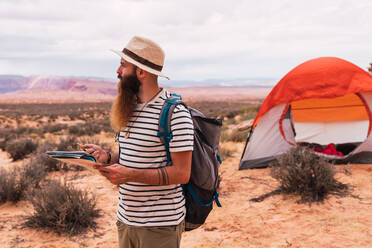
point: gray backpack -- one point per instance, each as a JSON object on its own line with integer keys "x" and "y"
{"x": 201, "y": 191}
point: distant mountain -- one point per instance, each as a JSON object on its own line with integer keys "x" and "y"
{"x": 10, "y": 83}
{"x": 15, "y": 88}
{"x": 18, "y": 88}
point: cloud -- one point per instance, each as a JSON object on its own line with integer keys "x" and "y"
{"x": 202, "y": 39}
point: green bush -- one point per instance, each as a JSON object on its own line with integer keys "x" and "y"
{"x": 20, "y": 148}
{"x": 302, "y": 172}
{"x": 62, "y": 208}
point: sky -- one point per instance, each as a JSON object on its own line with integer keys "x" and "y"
{"x": 202, "y": 39}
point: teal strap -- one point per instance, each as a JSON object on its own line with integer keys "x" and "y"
{"x": 196, "y": 198}
{"x": 219, "y": 158}
{"x": 165, "y": 122}
{"x": 216, "y": 199}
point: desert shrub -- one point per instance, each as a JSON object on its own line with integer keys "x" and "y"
{"x": 31, "y": 174}
{"x": 54, "y": 128}
{"x": 74, "y": 130}
{"x": 62, "y": 208}
{"x": 15, "y": 182}
{"x": 6, "y": 134}
{"x": 229, "y": 121}
{"x": 239, "y": 136}
{"x": 225, "y": 151}
{"x": 8, "y": 186}
{"x": 234, "y": 135}
{"x": 92, "y": 128}
{"x": 105, "y": 125}
{"x": 90, "y": 140}
{"x": 46, "y": 146}
{"x": 67, "y": 144}
{"x": 89, "y": 128}
{"x": 302, "y": 172}
{"x": 49, "y": 164}
{"x": 20, "y": 148}
{"x": 249, "y": 112}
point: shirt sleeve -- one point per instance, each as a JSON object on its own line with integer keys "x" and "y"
{"x": 183, "y": 130}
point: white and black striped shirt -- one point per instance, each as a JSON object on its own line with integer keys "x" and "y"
{"x": 152, "y": 205}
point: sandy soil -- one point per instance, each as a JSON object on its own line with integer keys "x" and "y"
{"x": 274, "y": 222}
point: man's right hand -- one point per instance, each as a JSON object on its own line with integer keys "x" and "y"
{"x": 97, "y": 152}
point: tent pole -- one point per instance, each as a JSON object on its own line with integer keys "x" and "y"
{"x": 246, "y": 143}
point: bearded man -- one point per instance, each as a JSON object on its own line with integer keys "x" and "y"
{"x": 151, "y": 209}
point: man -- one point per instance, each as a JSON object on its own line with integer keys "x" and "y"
{"x": 151, "y": 207}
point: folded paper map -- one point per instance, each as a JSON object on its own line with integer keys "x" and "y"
{"x": 81, "y": 158}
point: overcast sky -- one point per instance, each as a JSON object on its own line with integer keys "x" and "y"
{"x": 202, "y": 39}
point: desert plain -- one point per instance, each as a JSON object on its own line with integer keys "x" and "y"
{"x": 277, "y": 221}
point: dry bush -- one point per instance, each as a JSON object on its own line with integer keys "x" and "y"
{"x": 20, "y": 148}
{"x": 15, "y": 182}
{"x": 49, "y": 128}
{"x": 234, "y": 135}
{"x": 31, "y": 174}
{"x": 62, "y": 208}
{"x": 302, "y": 172}
{"x": 46, "y": 146}
{"x": 68, "y": 144}
{"x": 90, "y": 140}
{"x": 9, "y": 189}
{"x": 49, "y": 164}
{"x": 225, "y": 151}
{"x": 89, "y": 128}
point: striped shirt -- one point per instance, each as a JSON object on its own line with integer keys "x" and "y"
{"x": 152, "y": 205}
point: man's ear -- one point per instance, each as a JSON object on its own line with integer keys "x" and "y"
{"x": 141, "y": 74}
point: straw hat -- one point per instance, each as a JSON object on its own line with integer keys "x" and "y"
{"x": 145, "y": 54}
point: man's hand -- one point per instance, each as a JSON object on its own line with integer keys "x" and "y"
{"x": 116, "y": 173}
{"x": 97, "y": 152}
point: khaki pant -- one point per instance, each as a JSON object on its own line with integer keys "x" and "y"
{"x": 149, "y": 237}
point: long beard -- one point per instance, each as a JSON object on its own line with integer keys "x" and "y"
{"x": 125, "y": 102}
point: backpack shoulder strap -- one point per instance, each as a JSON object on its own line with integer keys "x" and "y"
{"x": 164, "y": 132}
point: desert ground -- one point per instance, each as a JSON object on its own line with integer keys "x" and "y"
{"x": 278, "y": 221}
{"x": 275, "y": 222}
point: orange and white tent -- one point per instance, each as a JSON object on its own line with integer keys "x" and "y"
{"x": 322, "y": 101}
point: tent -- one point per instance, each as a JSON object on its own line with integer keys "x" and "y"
{"x": 321, "y": 101}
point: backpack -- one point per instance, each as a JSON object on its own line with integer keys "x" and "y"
{"x": 201, "y": 190}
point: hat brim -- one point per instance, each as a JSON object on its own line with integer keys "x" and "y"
{"x": 144, "y": 67}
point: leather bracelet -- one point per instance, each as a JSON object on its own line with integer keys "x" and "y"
{"x": 108, "y": 157}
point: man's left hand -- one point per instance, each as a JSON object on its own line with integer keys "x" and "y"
{"x": 116, "y": 173}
